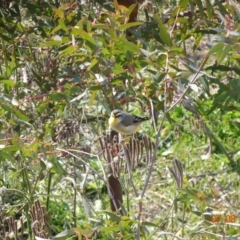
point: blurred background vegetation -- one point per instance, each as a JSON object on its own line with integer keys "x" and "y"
{"x": 65, "y": 65}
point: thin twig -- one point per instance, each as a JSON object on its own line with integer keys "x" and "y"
{"x": 175, "y": 22}
{"x": 188, "y": 86}
{"x": 128, "y": 161}
{"x": 153, "y": 116}
{"x": 104, "y": 178}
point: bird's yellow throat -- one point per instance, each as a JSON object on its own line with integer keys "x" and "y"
{"x": 112, "y": 121}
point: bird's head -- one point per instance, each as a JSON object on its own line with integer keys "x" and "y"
{"x": 116, "y": 113}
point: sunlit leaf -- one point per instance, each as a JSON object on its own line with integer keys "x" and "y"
{"x": 117, "y": 69}
{"x": 217, "y": 47}
{"x": 194, "y": 87}
{"x": 129, "y": 25}
{"x": 62, "y": 24}
{"x": 42, "y": 107}
{"x": 10, "y": 83}
{"x": 224, "y": 53}
{"x": 93, "y": 63}
{"x": 99, "y": 26}
{"x": 56, "y": 29}
{"x": 59, "y": 12}
{"x": 84, "y": 35}
{"x": 92, "y": 98}
{"x": 10, "y": 149}
{"x": 69, "y": 50}
{"x": 51, "y": 44}
{"x": 183, "y": 3}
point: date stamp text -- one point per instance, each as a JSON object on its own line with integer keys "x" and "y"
{"x": 231, "y": 218}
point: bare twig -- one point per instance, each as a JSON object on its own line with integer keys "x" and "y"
{"x": 188, "y": 86}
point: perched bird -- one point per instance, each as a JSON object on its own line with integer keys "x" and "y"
{"x": 125, "y": 123}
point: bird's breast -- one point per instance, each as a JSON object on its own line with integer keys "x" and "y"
{"x": 112, "y": 121}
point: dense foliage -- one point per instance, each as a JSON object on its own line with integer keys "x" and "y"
{"x": 65, "y": 65}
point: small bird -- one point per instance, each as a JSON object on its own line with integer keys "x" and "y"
{"x": 125, "y": 123}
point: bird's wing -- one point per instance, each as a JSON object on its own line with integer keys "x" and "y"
{"x": 139, "y": 119}
{"x": 128, "y": 119}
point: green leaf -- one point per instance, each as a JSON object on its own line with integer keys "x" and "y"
{"x": 99, "y": 26}
{"x": 42, "y": 107}
{"x": 92, "y": 98}
{"x": 59, "y": 12}
{"x": 224, "y": 53}
{"x": 95, "y": 87}
{"x": 56, "y": 29}
{"x": 221, "y": 97}
{"x": 129, "y": 25}
{"x": 200, "y": 7}
{"x": 218, "y": 47}
{"x": 149, "y": 54}
{"x": 57, "y": 167}
{"x": 5, "y": 155}
{"x": 56, "y": 96}
{"x": 84, "y": 35}
{"x": 15, "y": 112}
{"x": 175, "y": 51}
{"x": 51, "y": 44}
{"x": 130, "y": 46}
{"x": 150, "y": 224}
{"x": 234, "y": 33}
{"x": 112, "y": 216}
{"x": 164, "y": 34}
{"x": 206, "y": 31}
{"x": 10, "y": 83}
{"x": 195, "y": 76}
{"x": 209, "y": 9}
{"x": 63, "y": 235}
{"x": 226, "y": 40}
{"x": 219, "y": 67}
{"x": 69, "y": 50}
{"x": 93, "y": 63}
{"x": 118, "y": 69}
{"x": 10, "y": 149}
{"x": 222, "y": 9}
{"x": 236, "y": 70}
{"x": 62, "y": 24}
{"x": 183, "y": 3}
